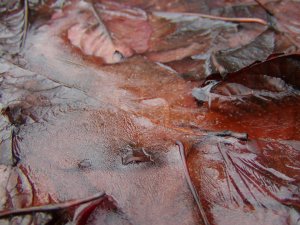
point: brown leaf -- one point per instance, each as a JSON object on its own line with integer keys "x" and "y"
{"x": 186, "y": 36}
{"x": 104, "y": 211}
{"x": 285, "y": 18}
{"x": 232, "y": 60}
{"x": 87, "y": 129}
{"x": 186, "y": 42}
{"x": 244, "y": 181}
{"x": 15, "y": 192}
{"x": 110, "y": 32}
{"x": 13, "y": 26}
{"x": 172, "y": 6}
{"x": 276, "y": 78}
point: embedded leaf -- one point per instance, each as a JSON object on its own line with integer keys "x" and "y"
{"x": 15, "y": 192}
{"x": 103, "y": 211}
{"x": 30, "y": 98}
{"x": 133, "y": 155}
{"x": 85, "y": 129}
{"x": 242, "y": 181}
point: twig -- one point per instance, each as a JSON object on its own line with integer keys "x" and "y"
{"x": 229, "y": 19}
{"x": 50, "y": 208}
{"x": 264, "y": 8}
{"x": 25, "y": 23}
{"x": 190, "y": 183}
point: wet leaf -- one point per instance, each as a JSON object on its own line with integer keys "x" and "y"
{"x": 31, "y": 99}
{"x": 285, "y": 19}
{"x": 276, "y": 78}
{"x": 100, "y": 212}
{"x": 173, "y": 6}
{"x": 110, "y": 32}
{"x": 15, "y": 192}
{"x": 100, "y": 133}
{"x": 13, "y": 26}
{"x": 187, "y": 41}
{"x": 241, "y": 181}
{"x": 43, "y": 5}
{"x": 231, "y": 60}
{"x": 192, "y": 35}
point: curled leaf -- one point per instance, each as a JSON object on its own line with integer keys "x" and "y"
{"x": 232, "y": 60}
{"x": 107, "y": 31}
{"x": 273, "y": 79}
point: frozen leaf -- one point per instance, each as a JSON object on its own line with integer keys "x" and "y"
{"x": 15, "y": 192}
{"x": 93, "y": 38}
{"x": 101, "y": 136}
{"x": 88, "y": 130}
{"x": 56, "y": 213}
{"x": 242, "y": 181}
{"x": 133, "y": 155}
{"x": 6, "y": 139}
{"x": 103, "y": 211}
{"x": 129, "y": 26}
{"x": 31, "y": 99}
{"x": 27, "y": 97}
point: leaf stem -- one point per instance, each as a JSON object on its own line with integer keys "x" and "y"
{"x": 228, "y": 19}
{"x": 190, "y": 183}
{"x": 50, "y": 208}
